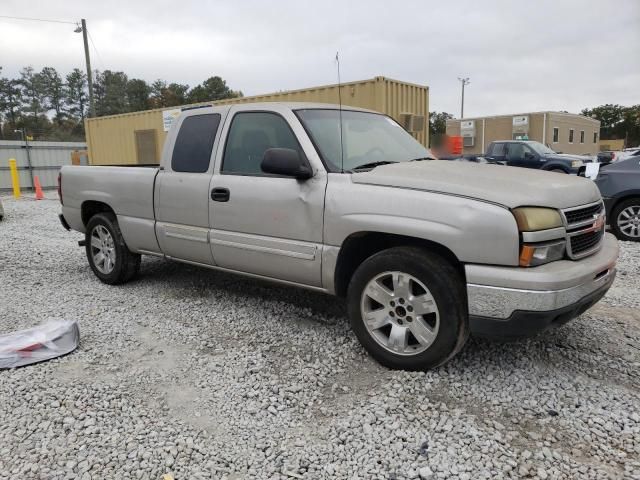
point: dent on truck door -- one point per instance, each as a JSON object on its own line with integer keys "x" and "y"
{"x": 263, "y": 224}
{"x": 182, "y": 191}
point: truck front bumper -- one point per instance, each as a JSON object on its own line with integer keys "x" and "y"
{"x": 510, "y": 302}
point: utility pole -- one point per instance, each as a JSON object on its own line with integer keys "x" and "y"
{"x": 464, "y": 81}
{"x": 25, "y": 139}
{"x": 92, "y": 107}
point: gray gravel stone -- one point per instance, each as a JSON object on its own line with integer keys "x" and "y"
{"x": 207, "y": 375}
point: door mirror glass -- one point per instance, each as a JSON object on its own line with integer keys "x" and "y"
{"x": 287, "y": 162}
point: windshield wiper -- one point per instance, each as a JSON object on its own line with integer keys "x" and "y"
{"x": 421, "y": 158}
{"x": 372, "y": 165}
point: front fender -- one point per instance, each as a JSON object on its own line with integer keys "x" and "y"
{"x": 475, "y": 231}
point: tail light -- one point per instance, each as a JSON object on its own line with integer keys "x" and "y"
{"x": 60, "y": 187}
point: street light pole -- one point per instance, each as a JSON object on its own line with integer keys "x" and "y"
{"x": 464, "y": 81}
{"x": 92, "y": 107}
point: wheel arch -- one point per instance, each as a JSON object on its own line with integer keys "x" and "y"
{"x": 556, "y": 166}
{"x": 359, "y": 246}
{"x": 89, "y": 208}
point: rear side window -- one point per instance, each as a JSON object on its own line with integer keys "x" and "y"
{"x": 497, "y": 150}
{"x": 192, "y": 151}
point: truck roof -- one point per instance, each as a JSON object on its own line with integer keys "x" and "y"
{"x": 291, "y": 105}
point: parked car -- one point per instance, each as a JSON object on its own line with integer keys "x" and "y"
{"x": 337, "y": 201}
{"x": 531, "y": 154}
{"x": 616, "y": 156}
{"x": 619, "y": 184}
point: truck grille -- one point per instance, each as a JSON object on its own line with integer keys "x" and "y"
{"x": 585, "y": 242}
{"x": 582, "y": 214}
{"x": 585, "y": 229}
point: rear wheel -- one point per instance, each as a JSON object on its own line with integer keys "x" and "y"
{"x": 625, "y": 221}
{"x": 408, "y": 308}
{"x": 110, "y": 259}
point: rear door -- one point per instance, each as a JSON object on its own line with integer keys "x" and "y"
{"x": 515, "y": 154}
{"x": 182, "y": 188}
{"x": 496, "y": 151}
{"x": 265, "y": 224}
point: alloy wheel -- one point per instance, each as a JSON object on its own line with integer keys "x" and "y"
{"x": 103, "y": 249}
{"x": 400, "y": 313}
{"x": 629, "y": 221}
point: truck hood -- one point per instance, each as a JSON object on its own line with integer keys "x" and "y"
{"x": 508, "y": 186}
{"x": 564, "y": 156}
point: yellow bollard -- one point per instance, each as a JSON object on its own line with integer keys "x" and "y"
{"x": 14, "y": 177}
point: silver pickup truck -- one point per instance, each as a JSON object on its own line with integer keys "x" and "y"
{"x": 348, "y": 203}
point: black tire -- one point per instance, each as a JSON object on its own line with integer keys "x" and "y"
{"x": 615, "y": 213}
{"x": 126, "y": 265}
{"x": 447, "y": 288}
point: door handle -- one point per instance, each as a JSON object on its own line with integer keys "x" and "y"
{"x": 220, "y": 194}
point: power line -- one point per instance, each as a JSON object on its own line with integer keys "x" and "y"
{"x": 94, "y": 47}
{"x": 36, "y": 19}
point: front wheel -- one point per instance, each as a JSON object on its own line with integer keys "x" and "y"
{"x": 110, "y": 259}
{"x": 625, "y": 221}
{"x": 408, "y": 308}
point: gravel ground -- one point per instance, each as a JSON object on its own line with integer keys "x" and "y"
{"x": 208, "y": 375}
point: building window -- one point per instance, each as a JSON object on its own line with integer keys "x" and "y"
{"x": 571, "y": 135}
{"x": 581, "y": 136}
{"x": 595, "y": 137}
{"x": 556, "y": 134}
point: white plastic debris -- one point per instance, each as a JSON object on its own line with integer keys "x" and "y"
{"x": 49, "y": 340}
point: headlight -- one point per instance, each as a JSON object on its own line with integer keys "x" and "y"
{"x": 534, "y": 254}
{"x": 576, "y": 163}
{"x": 531, "y": 219}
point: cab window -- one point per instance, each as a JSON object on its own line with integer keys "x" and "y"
{"x": 250, "y": 135}
{"x": 192, "y": 150}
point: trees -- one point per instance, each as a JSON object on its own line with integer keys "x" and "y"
{"x": 10, "y": 102}
{"x": 53, "y": 89}
{"x": 438, "y": 122}
{"x": 438, "y": 127}
{"x": 53, "y": 105}
{"x": 617, "y": 121}
{"x": 33, "y": 95}
{"x": 110, "y": 93}
{"x": 213, "y": 88}
{"x": 137, "y": 95}
{"x": 76, "y": 95}
{"x": 163, "y": 95}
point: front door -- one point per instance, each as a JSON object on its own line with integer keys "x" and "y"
{"x": 182, "y": 190}
{"x": 515, "y": 155}
{"x": 265, "y": 224}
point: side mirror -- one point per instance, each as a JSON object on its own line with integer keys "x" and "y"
{"x": 287, "y": 162}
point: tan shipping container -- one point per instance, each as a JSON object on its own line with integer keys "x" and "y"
{"x": 138, "y": 137}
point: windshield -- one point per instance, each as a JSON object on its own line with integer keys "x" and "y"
{"x": 367, "y": 138}
{"x": 540, "y": 149}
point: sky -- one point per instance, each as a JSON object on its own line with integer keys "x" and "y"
{"x": 520, "y": 56}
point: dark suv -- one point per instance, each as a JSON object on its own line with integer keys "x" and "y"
{"x": 619, "y": 184}
{"x": 530, "y": 154}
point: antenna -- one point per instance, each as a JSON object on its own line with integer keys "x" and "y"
{"x": 340, "y": 110}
